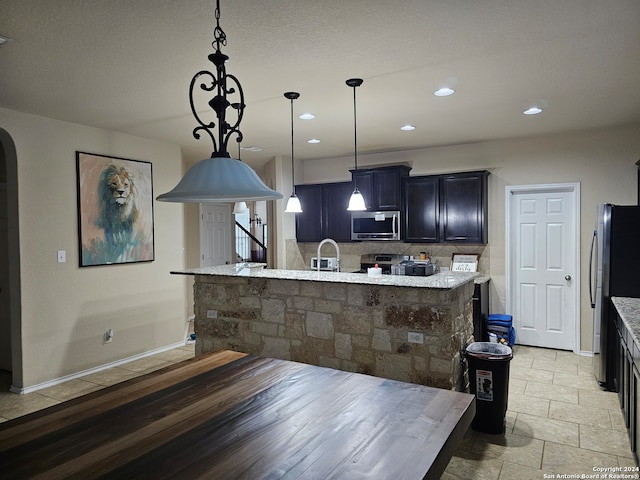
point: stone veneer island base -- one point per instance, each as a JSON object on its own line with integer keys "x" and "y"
{"x": 345, "y": 321}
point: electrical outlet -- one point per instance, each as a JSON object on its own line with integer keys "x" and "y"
{"x": 108, "y": 336}
{"x": 212, "y": 314}
{"x": 415, "y": 337}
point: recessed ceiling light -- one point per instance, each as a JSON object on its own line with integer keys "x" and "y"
{"x": 313, "y": 140}
{"x": 444, "y": 92}
{"x": 307, "y": 116}
{"x": 408, "y": 128}
{"x": 252, "y": 149}
{"x": 532, "y": 111}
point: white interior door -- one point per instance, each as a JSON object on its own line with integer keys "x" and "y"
{"x": 542, "y": 258}
{"x": 215, "y": 234}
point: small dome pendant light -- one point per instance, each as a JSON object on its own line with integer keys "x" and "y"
{"x": 293, "y": 204}
{"x": 219, "y": 178}
{"x": 356, "y": 202}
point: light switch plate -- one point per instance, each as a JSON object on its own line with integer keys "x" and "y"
{"x": 62, "y": 256}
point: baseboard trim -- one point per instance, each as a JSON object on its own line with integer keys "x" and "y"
{"x": 106, "y": 366}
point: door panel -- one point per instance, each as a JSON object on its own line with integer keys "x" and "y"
{"x": 543, "y": 269}
{"x": 215, "y": 235}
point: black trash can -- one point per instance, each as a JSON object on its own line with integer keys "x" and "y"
{"x": 489, "y": 382}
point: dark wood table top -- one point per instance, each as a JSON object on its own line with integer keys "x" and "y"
{"x": 228, "y": 415}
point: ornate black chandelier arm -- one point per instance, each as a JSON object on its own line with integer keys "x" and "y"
{"x": 218, "y": 83}
{"x": 206, "y": 127}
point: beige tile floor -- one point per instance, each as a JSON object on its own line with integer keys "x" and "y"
{"x": 558, "y": 419}
{"x": 13, "y": 405}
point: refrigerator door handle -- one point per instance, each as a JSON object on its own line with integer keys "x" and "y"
{"x": 592, "y": 279}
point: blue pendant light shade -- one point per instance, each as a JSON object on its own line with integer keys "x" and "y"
{"x": 219, "y": 178}
{"x": 356, "y": 202}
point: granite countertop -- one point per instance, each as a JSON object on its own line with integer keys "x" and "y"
{"x": 629, "y": 311}
{"x": 444, "y": 280}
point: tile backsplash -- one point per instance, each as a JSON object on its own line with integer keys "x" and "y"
{"x": 299, "y": 254}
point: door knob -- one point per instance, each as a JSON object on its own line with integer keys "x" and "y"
{"x": 567, "y": 277}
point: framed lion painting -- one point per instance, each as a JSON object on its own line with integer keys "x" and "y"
{"x": 115, "y": 210}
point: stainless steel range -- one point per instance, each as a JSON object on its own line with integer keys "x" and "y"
{"x": 383, "y": 260}
{"x": 389, "y": 261}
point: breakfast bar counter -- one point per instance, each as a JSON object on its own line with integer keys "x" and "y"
{"x": 442, "y": 281}
{"x": 412, "y": 329}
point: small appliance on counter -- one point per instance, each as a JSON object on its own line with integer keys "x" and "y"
{"x": 416, "y": 268}
{"x": 327, "y": 264}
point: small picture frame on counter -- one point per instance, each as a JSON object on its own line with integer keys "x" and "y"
{"x": 464, "y": 262}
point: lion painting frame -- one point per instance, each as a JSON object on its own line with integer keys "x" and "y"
{"x": 115, "y": 210}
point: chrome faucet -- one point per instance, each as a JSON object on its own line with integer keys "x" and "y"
{"x": 333, "y": 242}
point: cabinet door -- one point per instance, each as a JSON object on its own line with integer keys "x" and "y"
{"x": 387, "y": 188}
{"x": 464, "y": 209}
{"x": 309, "y": 222}
{"x": 635, "y": 413}
{"x": 382, "y": 187}
{"x": 422, "y": 206}
{"x": 627, "y": 384}
{"x": 336, "y": 217}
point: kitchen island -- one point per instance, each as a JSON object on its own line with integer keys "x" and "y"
{"x": 412, "y": 329}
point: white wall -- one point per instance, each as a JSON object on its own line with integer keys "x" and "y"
{"x": 602, "y": 161}
{"x": 66, "y": 309}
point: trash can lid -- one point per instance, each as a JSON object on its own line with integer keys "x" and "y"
{"x": 490, "y": 351}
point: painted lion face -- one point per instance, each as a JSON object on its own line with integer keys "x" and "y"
{"x": 119, "y": 184}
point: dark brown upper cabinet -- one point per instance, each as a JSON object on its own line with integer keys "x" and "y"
{"x": 422, "y": 209}
{"x": 381, "y": 187}
{"x": 309, "y": 222}
{"x": 463, "y": 213}
{"x": 446, "y": 208}
{"x": 324, "y": 212}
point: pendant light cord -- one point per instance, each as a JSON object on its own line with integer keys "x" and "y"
{"x": 219, "y": 37}
{"x": 292, "y": 96}
{"x": 355, "y": 139}
{"x": 293, "y": 172}
{"x": 354, "y": 83}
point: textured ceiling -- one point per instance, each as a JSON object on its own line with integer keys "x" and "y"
{"x": 126, "y": 66}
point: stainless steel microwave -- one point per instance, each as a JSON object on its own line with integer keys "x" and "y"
{"x": 375, "y": 225}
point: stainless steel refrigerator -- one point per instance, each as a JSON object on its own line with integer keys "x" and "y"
{"x": 614, "y": 271}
